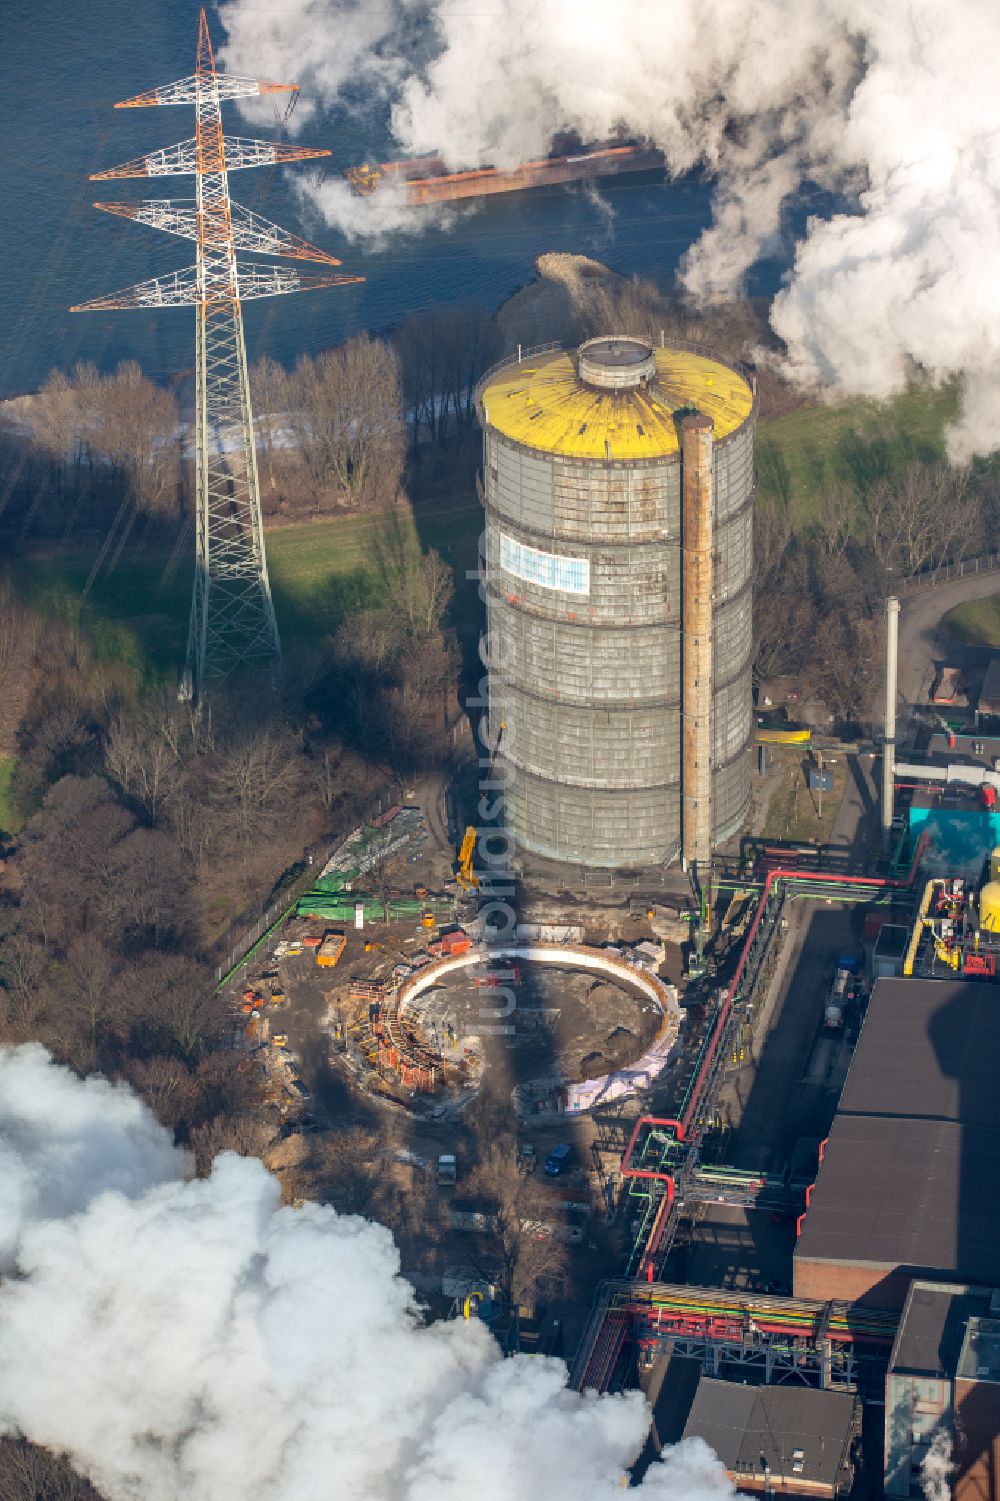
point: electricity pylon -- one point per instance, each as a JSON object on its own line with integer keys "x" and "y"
{"x": 232, "y": 624}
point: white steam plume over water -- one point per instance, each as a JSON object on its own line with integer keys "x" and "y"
{"x": 892, "y": 101}
{"x": 192, "y": 1340}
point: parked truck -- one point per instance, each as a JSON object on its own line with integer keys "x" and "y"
{"x": 842, "y": 993}
{"x": 455, "y": 941}
{"x": 447, "y": 1170}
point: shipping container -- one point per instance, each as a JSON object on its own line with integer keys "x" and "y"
{"x": 330, "y": 950}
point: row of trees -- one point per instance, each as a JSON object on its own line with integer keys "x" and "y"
{"x": 150, "y": 829}
{"x": 332, "y": 432}
{"x": 119, "y": 432}
{"x": 392, "y": 689}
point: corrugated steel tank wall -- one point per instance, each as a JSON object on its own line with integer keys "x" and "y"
{"x": 588, "y": 685}
{"x": 732, "y": 633}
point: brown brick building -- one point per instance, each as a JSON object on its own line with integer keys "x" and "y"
{"x": 908, "y": 1185}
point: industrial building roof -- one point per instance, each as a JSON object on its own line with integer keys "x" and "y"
{"x": 544, "y": 404}
{"x": 932, "y": 1328}
{"x": 909, "y": 1172}
{"x": 803, "y": 1434}
{"x": 928, "y": 1049}
{"x": 896, "y": 1192}
{"x": 979, "y": 1359}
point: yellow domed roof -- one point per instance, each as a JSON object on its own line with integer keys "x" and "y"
{"x": 543, "y": 403}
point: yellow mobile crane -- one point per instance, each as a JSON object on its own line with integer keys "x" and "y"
{"x": 465, "y": 874}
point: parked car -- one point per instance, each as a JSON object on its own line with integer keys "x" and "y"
{"x": 558, "y": 1159}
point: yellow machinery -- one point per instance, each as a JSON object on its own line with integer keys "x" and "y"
{"x": 952, "y": 956}
{"x": 465, "y": 875}
{"x": 989, "y": 897}
{"x": 783, "y": 737}
{"x": 918, "y": 926}
{"x": 941, "y": 927}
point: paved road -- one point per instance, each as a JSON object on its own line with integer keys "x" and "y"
{"x": 922, "y": 645}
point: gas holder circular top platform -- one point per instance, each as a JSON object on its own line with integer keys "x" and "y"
{"x": 616, "y": 364}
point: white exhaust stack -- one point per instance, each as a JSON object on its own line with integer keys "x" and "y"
{"x": 889, "y": 739}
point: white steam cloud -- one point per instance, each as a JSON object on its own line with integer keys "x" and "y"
{"x": 192, "y": 1340}
{"x": 893, "y": 101}
{"x": 936, "y": 1469}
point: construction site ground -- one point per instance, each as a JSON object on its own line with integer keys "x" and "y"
{"x": 781, "y": 1087}
{"x": 310, "y": 1044}
{"x": 552, "y": 1024}
{"x": 313, "y": 1091}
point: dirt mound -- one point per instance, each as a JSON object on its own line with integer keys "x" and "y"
{"x": 560, "y": 304}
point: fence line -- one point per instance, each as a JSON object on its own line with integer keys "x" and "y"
{"x": 252, "y": 935}
{"x": 985, "y": 563}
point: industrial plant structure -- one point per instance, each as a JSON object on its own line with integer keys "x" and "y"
{"x": 618, "y": 486}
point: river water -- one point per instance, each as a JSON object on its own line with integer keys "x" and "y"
{"x": 64, "y": 64}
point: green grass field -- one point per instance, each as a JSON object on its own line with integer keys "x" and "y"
{"x": 853, "y": 443}
{"x": 976, "y": 623}
{"x": 794, "y": 812}
{"x": 323, "y": 570}
{"x": 320, "y": 571}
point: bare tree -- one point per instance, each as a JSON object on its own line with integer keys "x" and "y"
{"x": 143, "y": 760}
{"x": 835, "y": 515}
{"x": 135, "y": 424}
{"x": 522, "y": 1242}
{"x": 443, "y": 353}
{"x": 167, "y": 1086}
{"x": 170, "y": 1003}
{"x": 63, "y": 420}
{"x": 24, "y": 964}
{"x": 772, "y": 537}
{"x": 471, "y": 342}
{"x": 345, "y": 414}
{"x": 123, "y": 417}
{"x": 920, "y": 518}
{"x": 193, "y": 823}
{"x": 419, "y": 586}
{"x": 256, "y": 775}
{"x": 346, "y": 1168}
{"x": 30, "y": 1473}
{"x": 849, "y": 656}
{"x": 67, "y": 856}
{"x": 380, "y": 863}
{"x": 420, "y": 346}
{"x": 426, "y": 593}
{"x": 248, "y": 1135}
{"x": 784, "y": 601}
{"x": 90, "y": 998}
{"x": 148, "y": 904}
{"x": 370, "y": 456}
{"x": 272, "y": 403}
